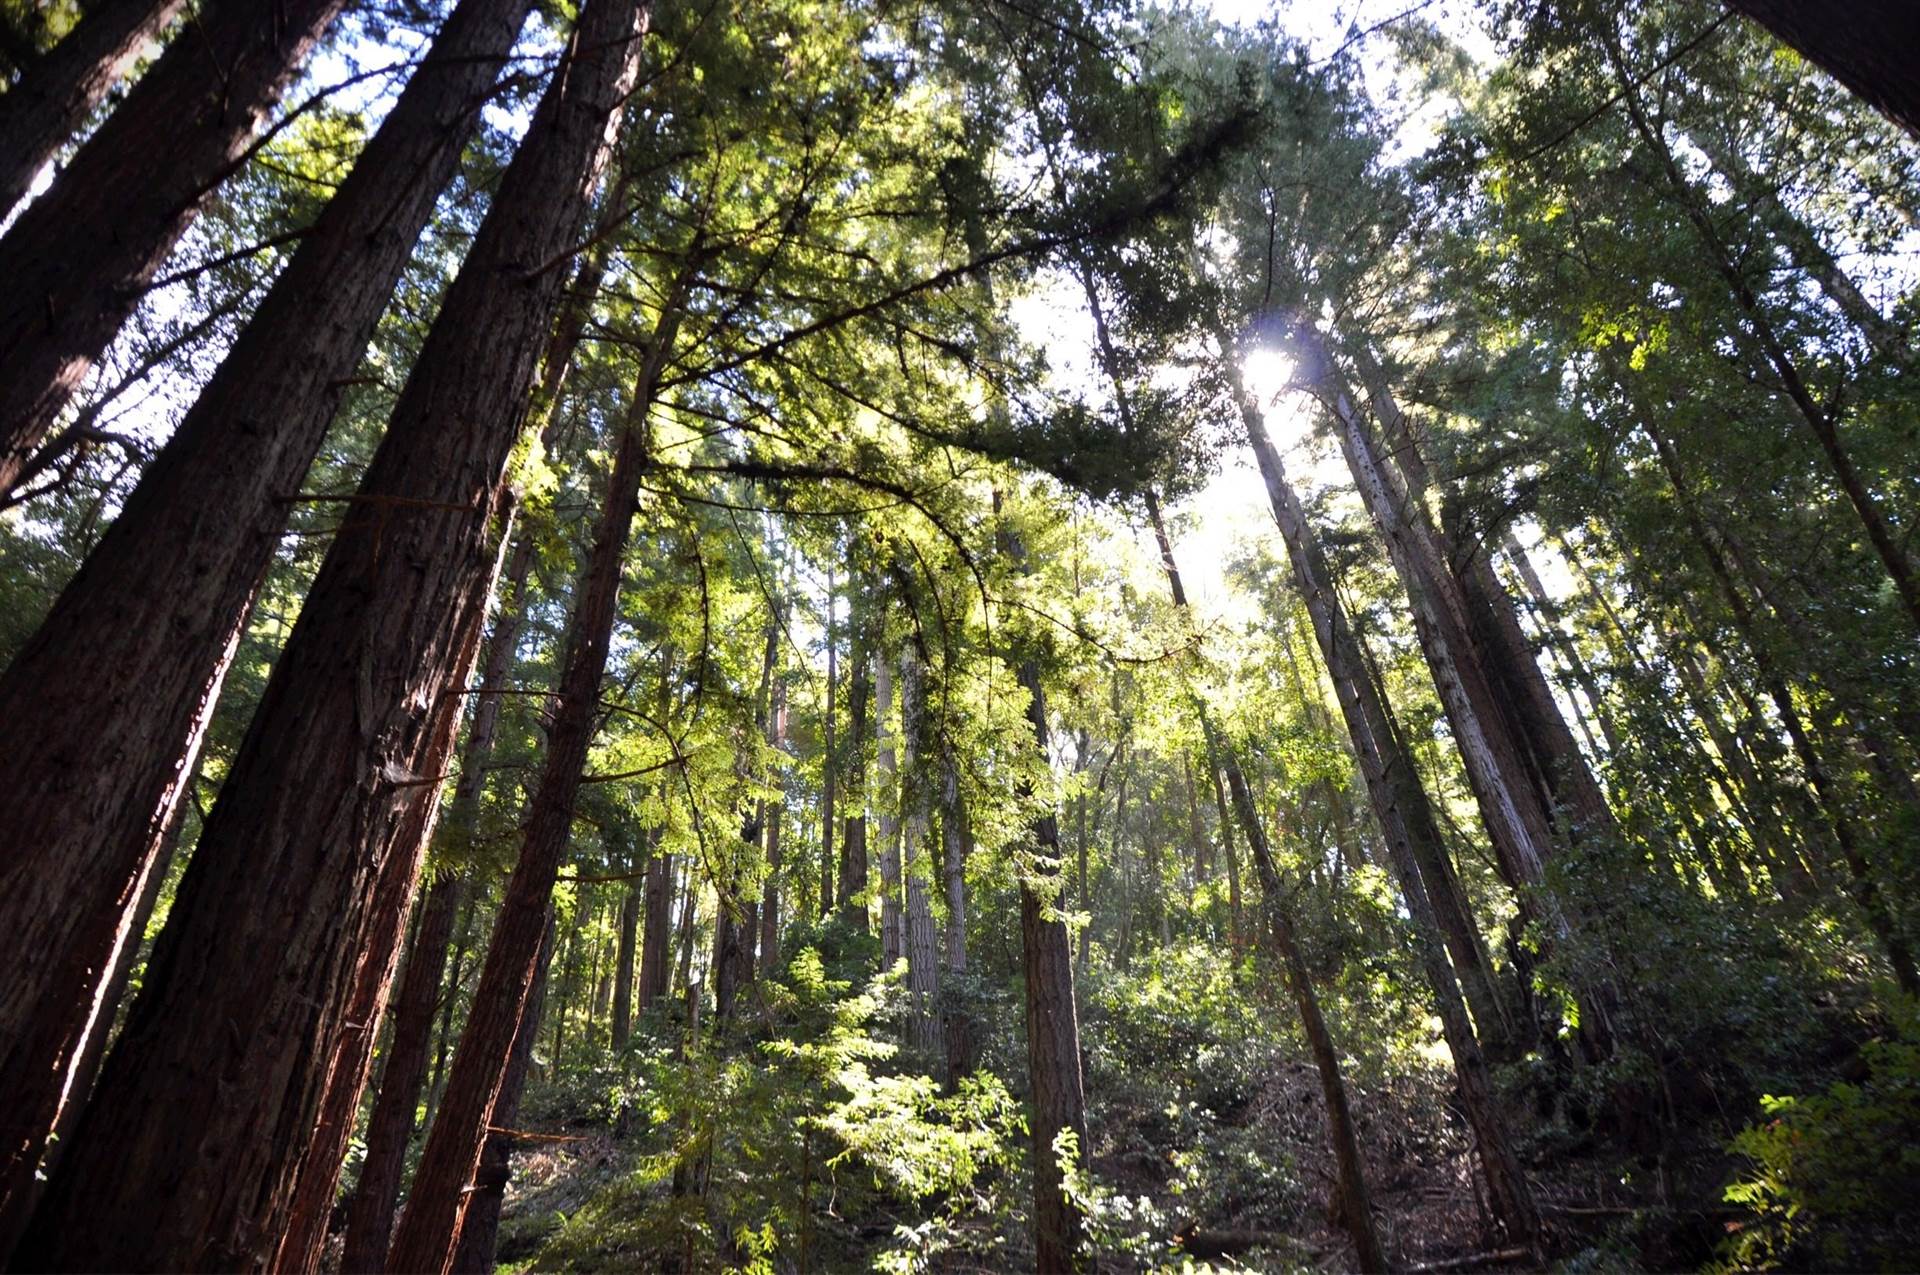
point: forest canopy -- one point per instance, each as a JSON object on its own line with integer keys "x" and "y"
{"x": 951, "y": 635}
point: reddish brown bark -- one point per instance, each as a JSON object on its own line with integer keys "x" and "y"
{"x": 330, "y": 797}
{"x": 142, "y": 636}
{"x": 656, "y": 969}
{"x": 480, "y": 1229}
{"x": 427, "y": 1239}
{"x": 47, "y": 105}
{"x": 78, "y": 257}
{"x": 370, "y": 1214}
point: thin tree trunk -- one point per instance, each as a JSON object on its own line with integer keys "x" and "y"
{"x": 429, "y": 1230}
{"x": 342, "y": 763}
{"x": 853, "y": 844}
{"x": 622, "y": 1027}
{"x": 956, "y": 842}
{"x": 79, "y": 257}
{"x": 53, "y": 97}
{"x": 893, "y": 943}
{"x": 916, "y": 802}
{"x": 142, "y": 637}
{"x": 770, "y": 896}
{"x": 1864, "y": 883}
{"x": 1893, "y": 553}
{"x": 829, "y": 760}
{"x": 1404, "y": 816}
{"x": 480, "y": 1228}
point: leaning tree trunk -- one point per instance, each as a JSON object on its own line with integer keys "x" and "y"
{"x": 52, "y": 99}
{"x": 143, "y": 635}
{"x": 370, "y": 1212}
{"x": 1870, "y": 48}
{"x": 1821, "y": 421}
{"x": 80, "y": 256}
{"x": 334, "y": 787}
{"x": 480, "y": 1228}
{"x": 428, "y": 1234}
{"x": 1400, "y": 806}
{"x": 1355, "y": 1205}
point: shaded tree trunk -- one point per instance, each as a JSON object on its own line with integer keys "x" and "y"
{"x": 79, "y": 257}
{"x": 622, "y": 1026}
{"x": 480, "y": 1228}
{"x": 427, "y": 1239}
{"x": 657, "y": 934}
{"x": 893, "y": 939}
{"x": 52, "y": 99}
{"x": 370, "y": 1213}
{"x": 829, "y": 760}
{"x": 1871, "y": 51}
{"x": 955, "y": 843}
{"x": 143, "y": 635}
{"x": 853, "y": 842}
{"x": 335, "y": 786}
{"x": 916, "y": 801}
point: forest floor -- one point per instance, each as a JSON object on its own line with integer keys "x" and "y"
{"x": 1432, "y": 1214}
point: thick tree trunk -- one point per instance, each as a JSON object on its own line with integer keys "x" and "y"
{"x": 52, "y": 99}
{"x": 656, "y": 943}
{"x": 429, "y": 1230}
{"x": 1236, "y": 925}
{"x": 1515, "y": 820}
{"x": 1053, "y": 1034}
{"x": 1401, "y": 808}
{"x": 480, "y": 1228}
{"x": 1871, "y": 51}
{"x": 142, "y": 636}
{"x": 78, "y": 258}
{"x": 335, "y": 785}
{"x": 370, "y": 1214}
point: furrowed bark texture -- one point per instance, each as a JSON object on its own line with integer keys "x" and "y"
{"x": 50, "y": 102}
{"x": 327, "y": 795}
{"x": 143, "y": 635}
{"x": 78, "y": 258}
{"x": 428, "y": 1235}
{"x": 370, "y": 1213}
{"x": 480, "y": 1229}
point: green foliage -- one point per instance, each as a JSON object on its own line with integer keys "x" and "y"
{"x": 1830, "y": 1176}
